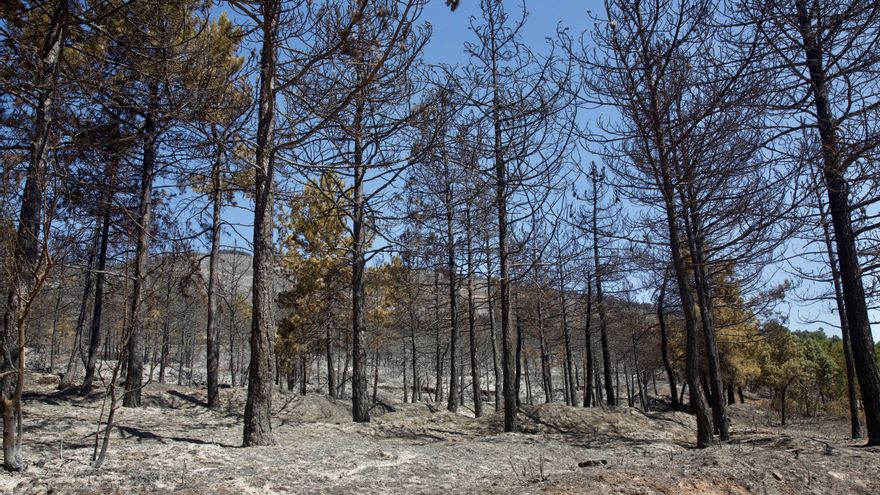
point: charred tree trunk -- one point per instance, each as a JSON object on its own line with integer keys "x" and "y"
{"x": 546, "y": 376}
{"x": 452, "y": 402}
{"x": 416, "y": 389}
{"x": 304, "y": 373}
{"x": 667, "y": 189}
{"x": 328, "y": 349}
{"x": 858, "y": 322}
{"x": 258, "y": 408}
{"x": 589, "y": 400}
{"x": 70, "y": 370}
{"x": 212, "y": 342}
{"x": 697, "y": 400}
{"x": 496, "y": 365}
{"x": 528, "y": 383}
{"x": 166, "y": 352}
{"x": 518, "y": 356}
{"x": 851, "y": 380}
{"x": 693, "y": 229}
{"x": 600, "y": 298}
{"x": 510, "y": 389}
{"x": 360, "y": 408}
{"x": 438, "y": 354}
{"x": 405, "y": 376}
{"x": 26, "y": 253}
{"x": 134, "y": 371}
{"x": 375, "y": 374}
{"x": 472, "y": 318}
{"x": 97, "y": 310}
{"x": 53, "y": 349}
{"x": 664, "y": 346}
{"x": 569, "y": 367}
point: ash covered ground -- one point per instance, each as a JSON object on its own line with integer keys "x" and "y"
{"x": 175, "y": 445}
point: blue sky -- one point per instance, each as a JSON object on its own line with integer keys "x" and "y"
{"x": 451, "y": 30}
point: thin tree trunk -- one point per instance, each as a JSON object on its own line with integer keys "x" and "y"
{"x": 438, "y": 355}
{"x": 304, "y": 373}
{"x": 697, "y": 401}
{"x": 528, "y": 383}
{"x": 344, "y": 381}
{"x": 26, "y": 254}
{"x": 851, "y": 380}
{"x": 664, "y": 345}
{"x": 472, "y": 318}
{"x": 546, "y": 372}
{"x": 569, "y": 366}
{"x": 166, "y": 339}
{"x": 600, "y": 298}
{"x": 416, "y": 389}
{"x": 134, "y": 371}
{"x": 328, "y": 348}
{"x": 53, "y": 349}
{"x": 70, "y": 370}
{"x": 588, "y": 347}
{"x": 212, "y": 338}
{"x": 452, "y": 403}
{"x": 496, "y": 366}
{"x": 405, "y": 377}
{"x": 858, "y": 322}
{"x": 519, "y": 346}
{"x": 693, "y": 230}
{"x": 375, "y": 374}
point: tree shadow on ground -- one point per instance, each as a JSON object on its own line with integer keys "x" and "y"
{"x": 188, "y": 398}
{"x": 148, "y": 435}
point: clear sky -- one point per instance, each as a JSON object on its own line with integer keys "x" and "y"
{"x": 451, "y": 30}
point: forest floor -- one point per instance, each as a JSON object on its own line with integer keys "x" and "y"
{"x": 175, "y": 445}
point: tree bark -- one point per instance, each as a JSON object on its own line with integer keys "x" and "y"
{"x": 165, "y": 353}
{"x": 496, "y": 365}
{"x": 519, "y": 345}
{"x": 328, "y": 348}
{"x": 546, "y": 372}
{"x": 472, "y": 318}
{"x": 569, "y": 367}
{"x": 70, "y": 370}
{"x": 589, "y": 400}
{"x": 98, "y": 305}
{"x": 258, "y": 408}
{"x": 663, "y": 171}
{"x": 693, "y": 229}
{"x": 438, "y": 354}
{"x": 134, "y": 370}
{"x": 851, "y": 380}
{"x": 416, "y": 387}
{"x": 858, "y": 322}
{"x": 510, "y": 389}
{"x": 360, "y": 409}
{"x": 664, "y": 346}
{"x": 375, "y": 374}
{"x": 600, "y": 298}
{"x": 452, "y": 402}
{"x": 53, "y": 349}
{"x": 26, "y": 253}
{"x": 212, "y": 341}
